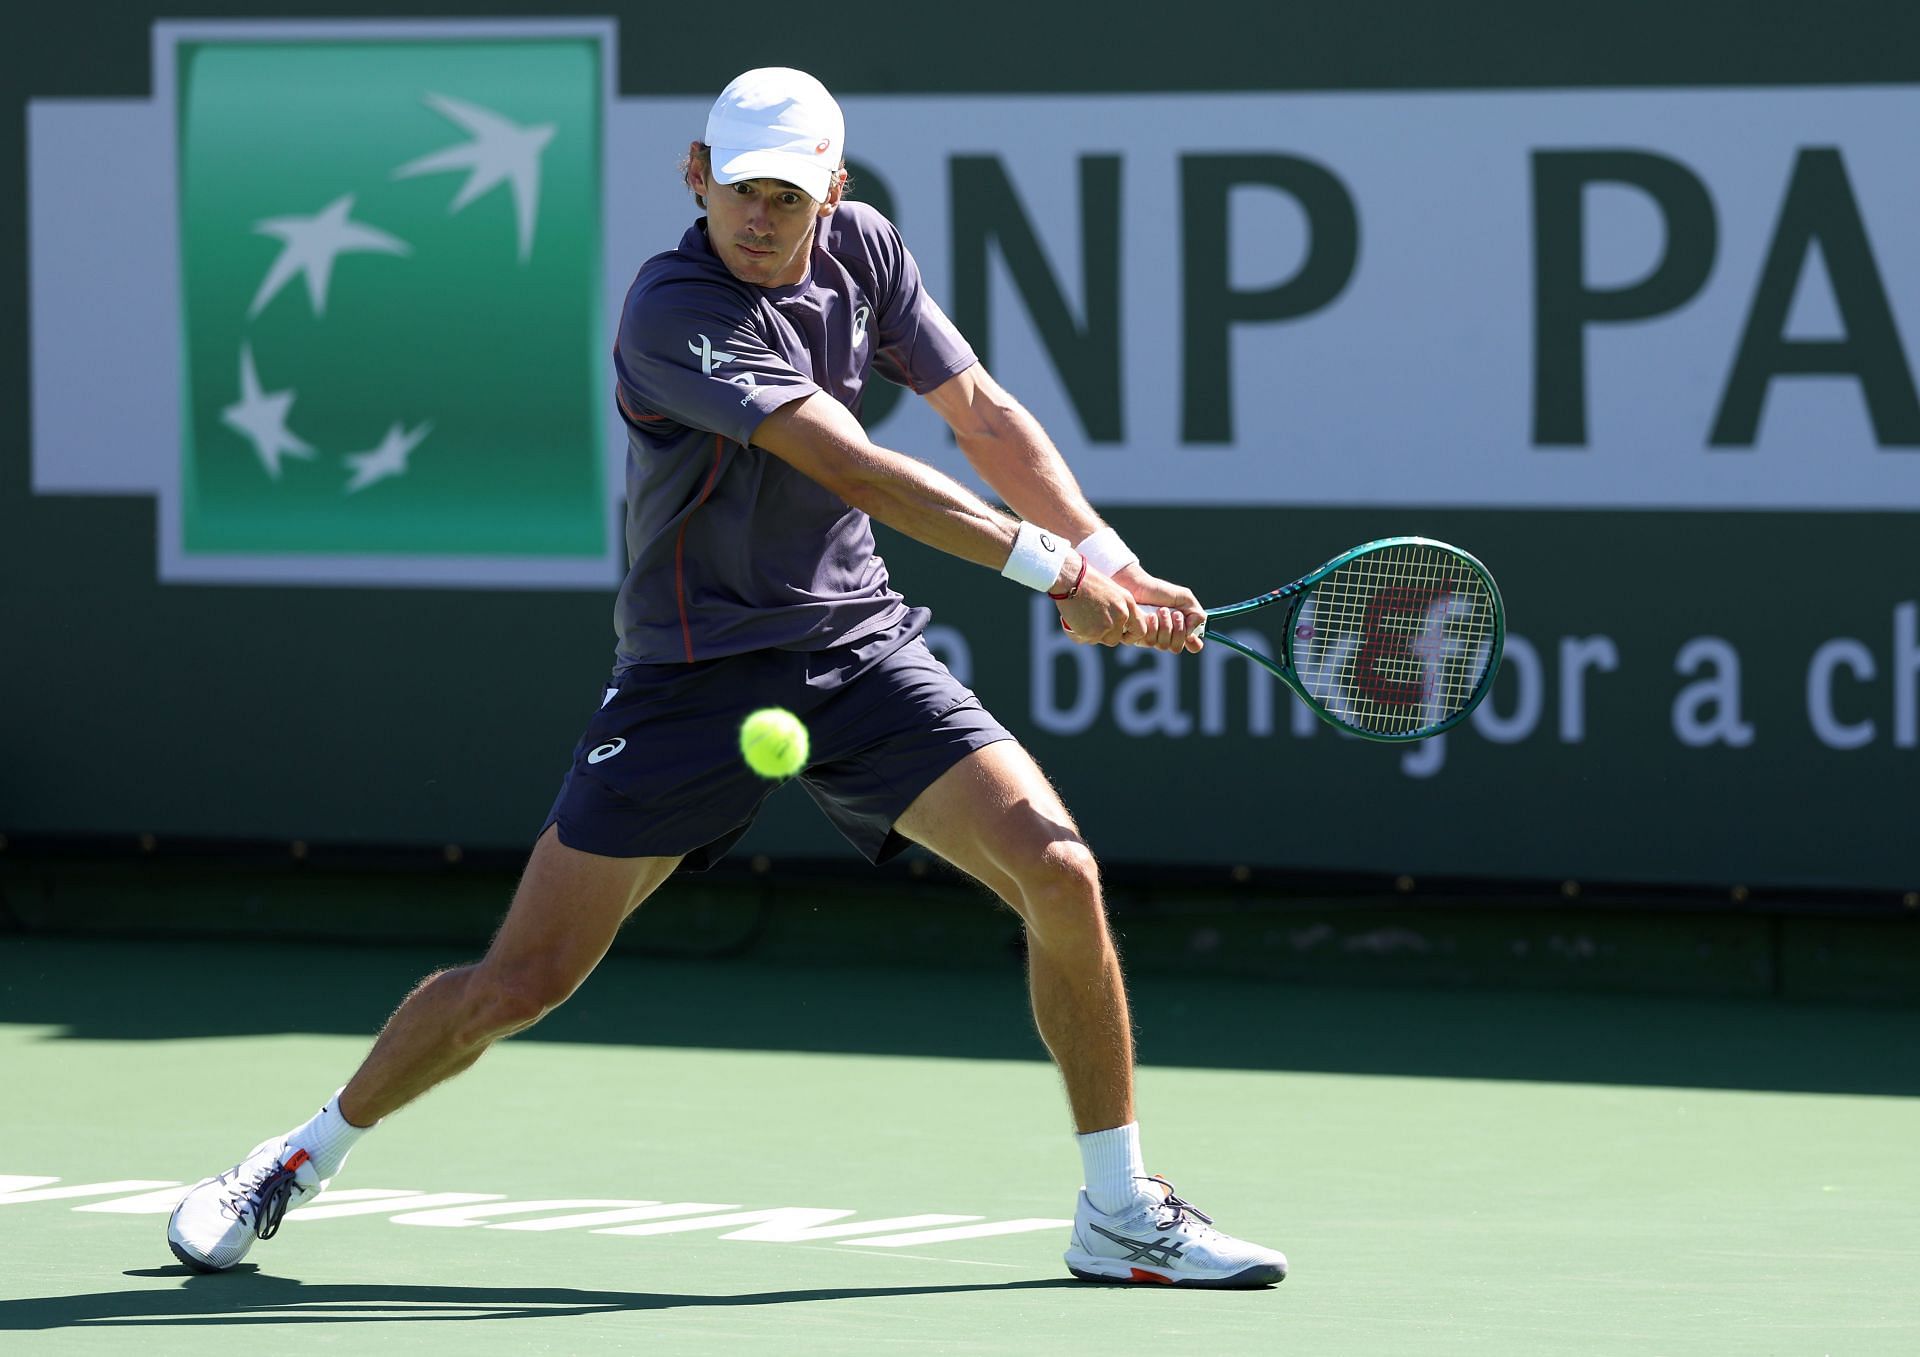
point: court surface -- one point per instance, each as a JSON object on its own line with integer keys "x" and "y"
{"x": 1450, "y": 1172}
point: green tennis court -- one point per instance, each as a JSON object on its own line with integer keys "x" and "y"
{"x": 1450, "y": 1172}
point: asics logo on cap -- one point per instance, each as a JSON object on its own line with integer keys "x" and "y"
{"x": 821, "y": 149}
{"x": 601, "y": 753}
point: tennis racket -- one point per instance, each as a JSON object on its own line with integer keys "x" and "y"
{"x": 1394, "y": 640}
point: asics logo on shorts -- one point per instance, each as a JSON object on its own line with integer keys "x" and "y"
{"x": 860, "y": 326}
{"x": 601, "y": 753}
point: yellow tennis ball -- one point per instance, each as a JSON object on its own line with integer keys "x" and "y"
{"x": 774, "y": 742}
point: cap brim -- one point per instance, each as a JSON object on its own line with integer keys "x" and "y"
{"x": 805, "y": 173}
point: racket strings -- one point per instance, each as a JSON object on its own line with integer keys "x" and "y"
{"x": 1397, "y": 641}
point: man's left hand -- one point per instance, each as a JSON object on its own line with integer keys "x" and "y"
{"x": 1170, "y": 613}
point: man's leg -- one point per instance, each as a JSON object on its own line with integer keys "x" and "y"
{"x": 563, "y": 919}
{"x": 995, "y": 816}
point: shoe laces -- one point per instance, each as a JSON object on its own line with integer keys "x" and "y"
{"x": 1175, "y": 1211}
{"x": 263, "y": 1202}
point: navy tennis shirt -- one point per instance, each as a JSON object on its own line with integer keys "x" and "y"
{"x": 730, "y": 548}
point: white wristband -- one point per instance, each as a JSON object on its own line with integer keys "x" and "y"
{"x": 1036, "y": 559}
{"x": 1106, "y": 553}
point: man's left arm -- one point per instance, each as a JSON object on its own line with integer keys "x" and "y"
{"x": 1013, "y": 454}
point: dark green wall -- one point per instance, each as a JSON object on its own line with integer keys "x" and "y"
{"x": 126, "y": 707}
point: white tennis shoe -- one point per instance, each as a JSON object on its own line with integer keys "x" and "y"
{"x": 1165, "y": 1241}
{"x": 216, "y": 1223}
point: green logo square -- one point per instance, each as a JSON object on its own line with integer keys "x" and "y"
{"x": 391, "y": 293}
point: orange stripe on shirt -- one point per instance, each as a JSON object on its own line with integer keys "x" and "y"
{"x": 620, "y": 399}
{"x": 680, "y": 549}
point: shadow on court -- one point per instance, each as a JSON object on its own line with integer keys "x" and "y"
{"x": 244, "y": 1296}
{"x": 121, "y": 991}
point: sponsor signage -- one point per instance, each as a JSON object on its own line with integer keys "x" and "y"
{"x": 367, "y": 283}
{"x": 396, "y": 253}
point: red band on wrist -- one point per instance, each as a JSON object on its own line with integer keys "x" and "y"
{"x": 1062, "y": 598}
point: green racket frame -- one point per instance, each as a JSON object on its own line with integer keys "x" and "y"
{"x": 1295, "y": 595}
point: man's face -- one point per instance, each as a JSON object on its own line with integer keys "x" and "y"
{"x": 762, "y": 229}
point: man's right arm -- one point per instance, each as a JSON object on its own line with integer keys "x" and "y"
{"x": 818, "y": 437}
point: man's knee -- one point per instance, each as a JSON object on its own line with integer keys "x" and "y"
{"x": 1061, "y": 888}
{"x": 501, "y": 1000}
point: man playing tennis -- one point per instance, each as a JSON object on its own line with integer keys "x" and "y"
{"x": 741, "y": 360}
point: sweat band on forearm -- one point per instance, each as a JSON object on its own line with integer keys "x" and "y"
{"x": 1107, "y": 552}
{"x": 1036, "y": 559}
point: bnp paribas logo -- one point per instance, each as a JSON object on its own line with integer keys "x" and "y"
{"x": 390, "y": 296}
{"x": 335, "y": 297}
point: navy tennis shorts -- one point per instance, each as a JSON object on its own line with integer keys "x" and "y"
{"x": 658, "y": 772}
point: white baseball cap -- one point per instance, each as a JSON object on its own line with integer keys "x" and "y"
{"x": 777, "y": 123}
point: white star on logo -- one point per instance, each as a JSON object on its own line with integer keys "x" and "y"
{"x": 261, "y": 418}
{"x": 500, "y": 152}
{"x": 313, "y": 243}
{"x": 389, "y": 459}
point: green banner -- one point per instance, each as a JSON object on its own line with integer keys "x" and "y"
{"x": 1637, "y": 315}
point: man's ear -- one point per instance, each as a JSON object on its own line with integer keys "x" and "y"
{"x": 835, "y": 188}
{"x": 696, "y": 170}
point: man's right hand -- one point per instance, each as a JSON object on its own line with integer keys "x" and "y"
{"x": 1102, "y": 613}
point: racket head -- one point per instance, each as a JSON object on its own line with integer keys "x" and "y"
{"x": 1395, "y": 640}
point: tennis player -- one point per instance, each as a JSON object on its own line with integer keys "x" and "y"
{"x": 742, "y": 357}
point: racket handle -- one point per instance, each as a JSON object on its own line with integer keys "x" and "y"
{"x": 1200, "y": 630}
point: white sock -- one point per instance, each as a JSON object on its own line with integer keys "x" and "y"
{"x": 1111, "y": 1160}
{"x": 328, "y": 1137}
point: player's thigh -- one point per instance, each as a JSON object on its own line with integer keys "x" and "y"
{"x": 567, "y": 909}
{"x": 995, "y": 816}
